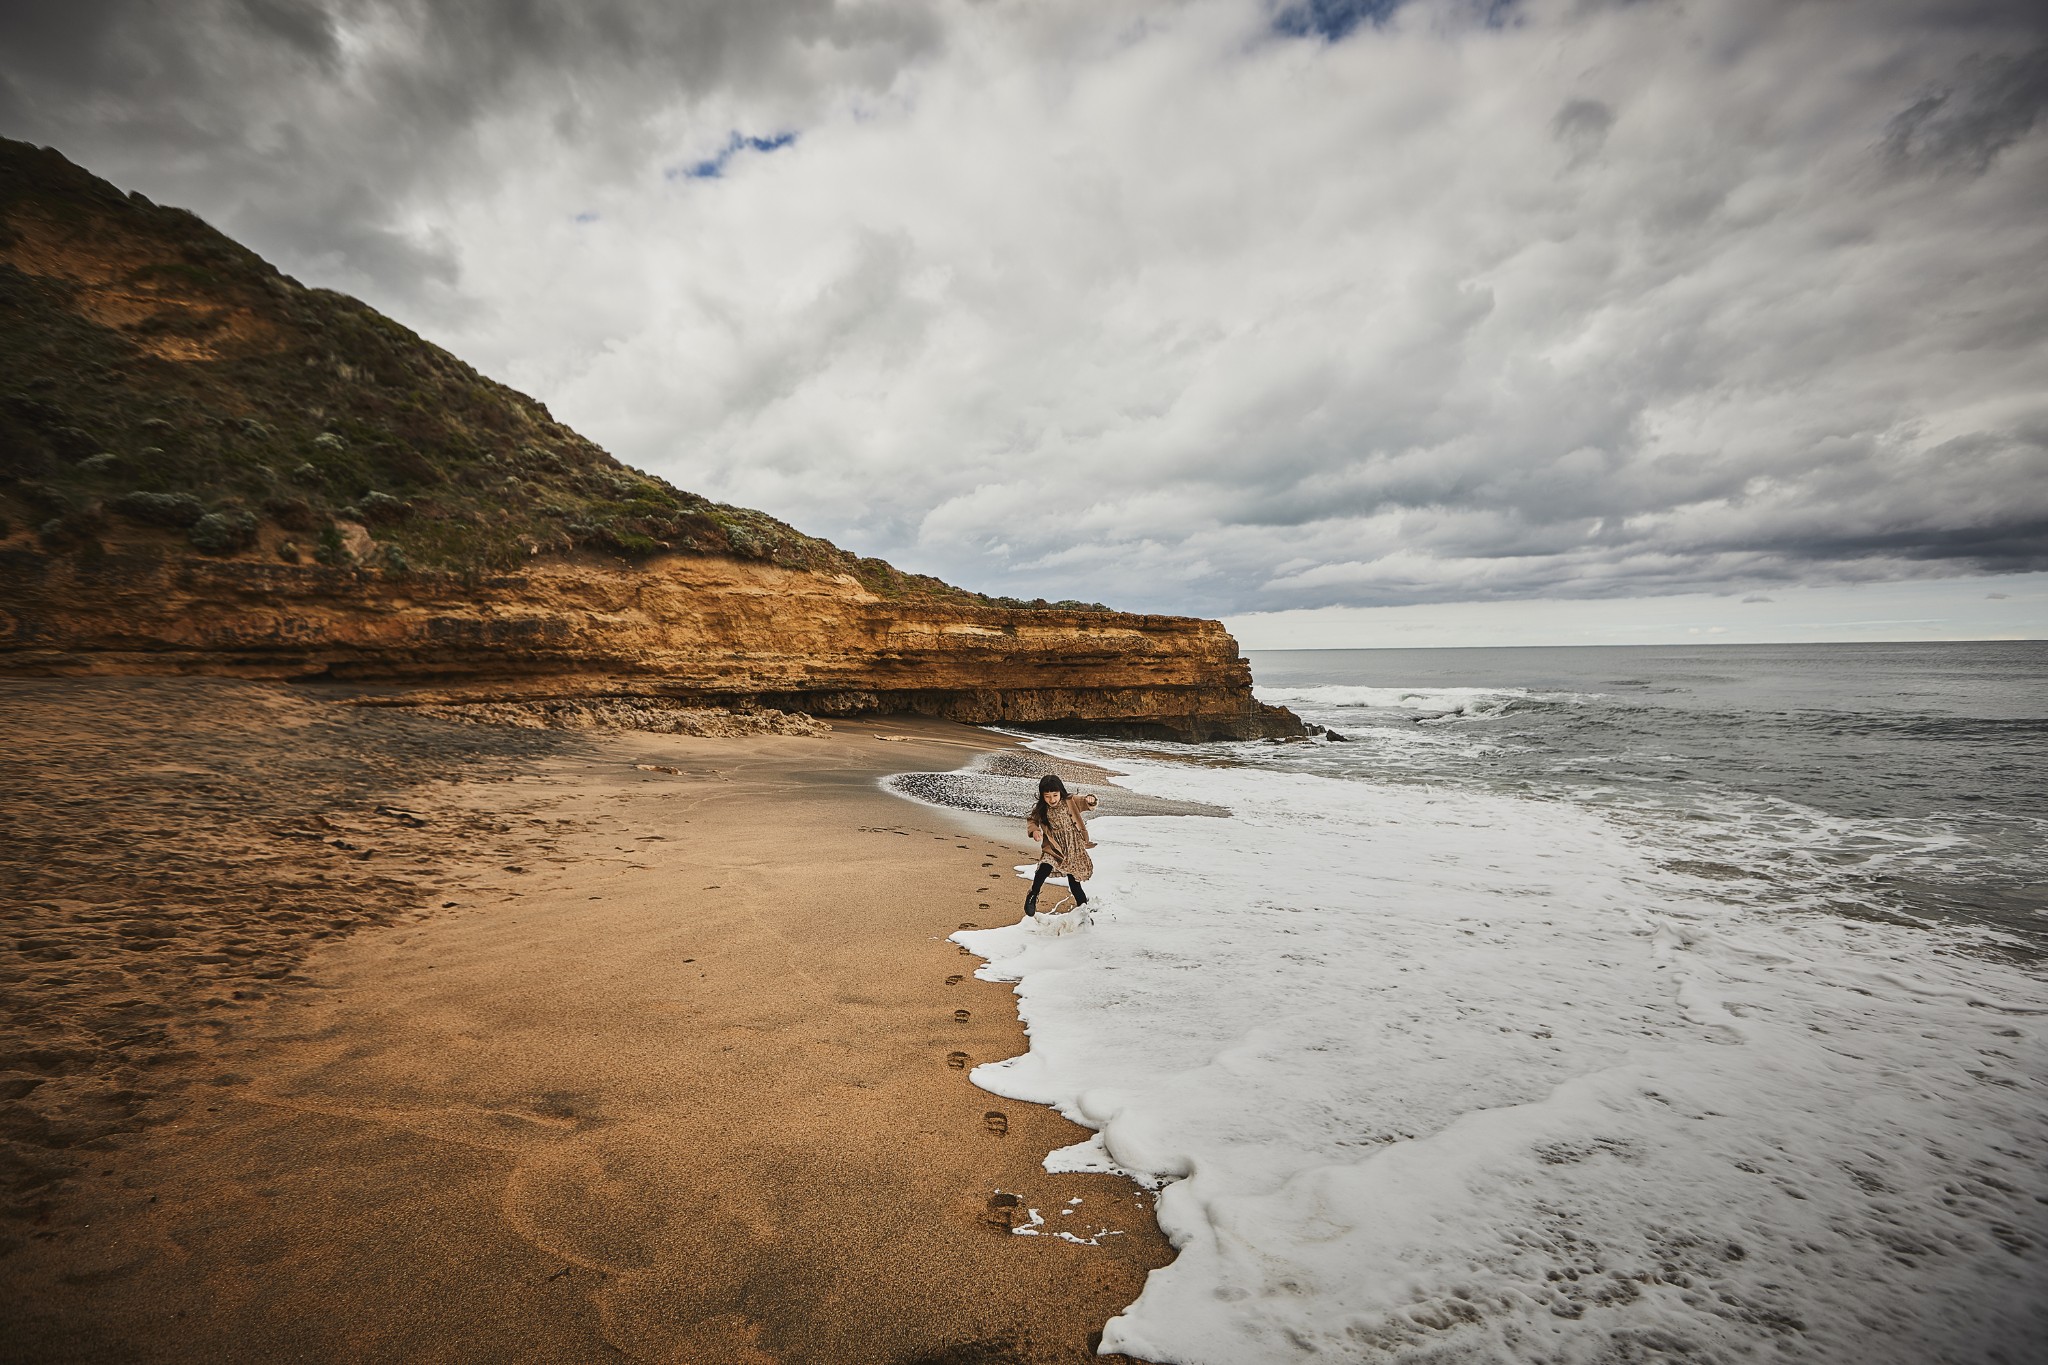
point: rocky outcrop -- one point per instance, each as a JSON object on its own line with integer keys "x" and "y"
{"x": 207, "y": 467}
{"x": 696, "y": 630}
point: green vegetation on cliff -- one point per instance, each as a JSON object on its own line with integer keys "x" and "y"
{"x": 158, "y": 380}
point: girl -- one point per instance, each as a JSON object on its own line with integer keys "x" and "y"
{"x": 1063, "y": 841}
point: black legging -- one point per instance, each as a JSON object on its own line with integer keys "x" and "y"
{"x": 1044, "y": 871}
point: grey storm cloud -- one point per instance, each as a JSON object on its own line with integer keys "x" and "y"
{"x": 1222, "y": 305}
{"x": 322, "y": 131}
{"x": 1582, "y": 125}
{"x": 1989, "y": 104}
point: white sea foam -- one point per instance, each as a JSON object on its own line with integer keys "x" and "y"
{"x": 1455, "y": 1075}
{"x": 1437, "y": 701}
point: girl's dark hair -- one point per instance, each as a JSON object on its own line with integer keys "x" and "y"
{"x": 1049, "y": 783}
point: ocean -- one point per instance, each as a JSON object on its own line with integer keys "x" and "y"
{"x": 1583, "y": 1005}
{"x": 1909, "y": 780}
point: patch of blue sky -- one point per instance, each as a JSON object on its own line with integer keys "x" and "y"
{"x": 1335, "y": 20}
{"x": 1331, "y": 20}
{"x": 714, "y": 166}
{"x": 587, "y": 216}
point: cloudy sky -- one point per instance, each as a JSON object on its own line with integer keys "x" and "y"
{"x": 1305, "y": 314}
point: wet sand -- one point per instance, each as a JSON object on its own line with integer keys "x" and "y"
{"x": 679, "y": 1075}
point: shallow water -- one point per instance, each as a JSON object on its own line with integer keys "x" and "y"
{"x": 1590, "y": 1005}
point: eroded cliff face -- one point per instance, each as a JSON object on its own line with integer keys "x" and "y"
{"x": 695, "y": 629}
{"x": 206, "y": 467}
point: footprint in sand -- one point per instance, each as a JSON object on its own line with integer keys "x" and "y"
{"x": 969, "y": 926}
{"x": 1002, "y": 1211}
{"x": 955, "y": 979}
{"x": 996, "y": 1121}
{"x": 961, "y": 1016}
{"x": 957, "y": 1060}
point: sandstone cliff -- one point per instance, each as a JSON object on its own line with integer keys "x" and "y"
{"x": 697, "y": 629}
{"x": 207, "y": 468}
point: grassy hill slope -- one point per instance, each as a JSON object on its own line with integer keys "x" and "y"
{"x": 161, "y": 383}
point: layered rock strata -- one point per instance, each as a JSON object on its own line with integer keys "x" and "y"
{"x": 695, "y": 630}
{"x": 207, "y": 467}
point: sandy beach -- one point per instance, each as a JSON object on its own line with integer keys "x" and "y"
{"x": 338, "y": 1033}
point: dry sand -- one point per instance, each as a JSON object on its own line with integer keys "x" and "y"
{"x": 678, "y": 1076}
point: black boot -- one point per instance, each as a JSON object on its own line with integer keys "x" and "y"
{"x": 1037, "y": 882}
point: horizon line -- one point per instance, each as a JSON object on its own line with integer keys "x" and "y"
{"x": 1668, "y": 644}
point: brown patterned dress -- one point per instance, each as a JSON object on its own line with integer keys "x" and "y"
{"x": 1063, "y": 841}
